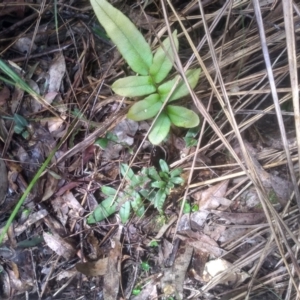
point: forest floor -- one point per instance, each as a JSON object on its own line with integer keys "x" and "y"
{"x": 226, "y": 226}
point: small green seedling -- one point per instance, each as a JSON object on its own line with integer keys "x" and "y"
{"x": 153, "y": 244}
{"x": 103, "y": 142}
{"x": 145, "y": 266}
{"x": 187, "y": 208}
{"x": 21, "y": 125}
{"x": 190, "y": 137}
{"x": 149, "y": 185}
{"x": 136, "y": 291}
{"x": 151, "y": 70}
{"x": 195, "y": 207}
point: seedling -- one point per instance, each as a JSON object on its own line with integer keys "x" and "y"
{"x": 148, "y": 184}
{"x": 145, "y": 266}
{"x": 151, "y": 70}
{"x": 153, "y": 244}
{"x": 190, "y": 137}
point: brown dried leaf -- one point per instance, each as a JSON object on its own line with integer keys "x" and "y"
{"x": 212, "y": 197}
{"x": 202, "y": 242}
{"x": 50, "y": 186}
{"x": 111, "y": 278}
{"x": 3, "y": 181}
{"x": 241, "y": 218}
{"x": 59, "y": 245}
{"x": 4, "y": 95}
{"x": 56, "y": 73}
{"x": 73, "y": 203}
{"x": 173, "y": 278}
{"x": 93, "y": 268}
{"x": 217, "y": 266}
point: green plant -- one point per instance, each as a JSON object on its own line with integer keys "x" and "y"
{"x": 145, "y": 266}
{"x": 149, "y": 184}
{"x": 151, "y": 70}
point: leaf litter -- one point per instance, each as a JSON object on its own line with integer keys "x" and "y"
{"x": 241, "y": 210}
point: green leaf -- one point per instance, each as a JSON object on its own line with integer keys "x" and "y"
{"x": 102, "y": 143}
{"x": 158, "y": 184}
{"x": 186, "y": 208}
{"x": 153, "y": 243}
{"x": 145, "y": 266}
{"x": 137, "y": 204}
{"x": 136, "y": 291}
{"x": 152, "y": 172}
{"x": 133, "y": 179}
{"x": 134, "y": 86}
{"x": 160, "y": 129}
{"x": 163, "y": 166}
{"x": 181, "y": 90}
{"x": 145, "y": 109}
{"x": 182, "y": 117}
{"x": 102, "y": 211}
{"x": 125, "y": 212}
{"x": 159, "y": 200}
{"x": 163, "y": 59}
{"x": 177, "y": 180}
{"x": 20, "y": 121}
{"x": 129, "y": 41}
{"x": 175, "y": 172}
{"x": 108, "y": 191}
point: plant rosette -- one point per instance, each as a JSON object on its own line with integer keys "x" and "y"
{"x": 151, "y": 71}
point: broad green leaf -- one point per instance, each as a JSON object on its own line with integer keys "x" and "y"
{"x": 163, "y": 166}
{"x": 102, "y": 143}
{"x": 175, "y": 172}
{"x": 160, "y": 129}
{"x": 186, "y": 208}
{"x": 177, "y": 180}
{"x": 125, "y": 212}
{"x": 130, "y": 176}
{"x": 129, "y": 41}
{"x": 159, "y": 200}
{"x": 151, "y": 172}
{"x": 163, "y": 59}
{"x": 137, "y": 204}
{"x": 102, "y": 211}
{"x": 134, "y": 86}
{"x": 20, "y": 121}
{"x": 158, "y": 184}
{"x": 145, "y": 109}
{"x": 108, "y": 191}
{"x": 181, "y": 90}
{"x": 182, "y": 117}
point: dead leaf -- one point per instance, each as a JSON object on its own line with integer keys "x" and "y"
{"x": 217, "y": 266}
{"x": 59, "y": 245}
{"x": 3, "y": 181}
{"x": 193, "y": 221}
{"x": 125, "y": 131}
{"x": 202, "y": 242}
{"x": 50, "y": 186}
{"x": 212, "y": 197}
{"x": 24, "y": 45}
{"x": 93, "y": 268}
{"x": 56, "y": 72}
{"x": 149, "y": 292}
{"x": 173, "y": 279}
{"x": 4, "y": 95}
{"x": 112, "y": 276}
{"x": 241, "y": 218}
